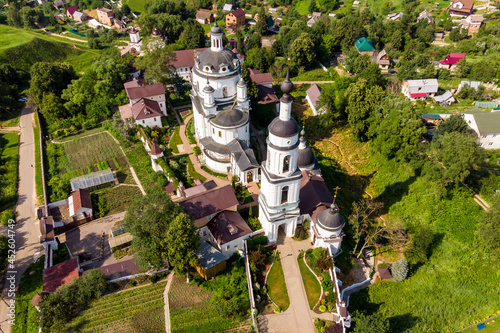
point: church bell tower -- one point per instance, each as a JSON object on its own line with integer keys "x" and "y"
{"x": 279, "y": 193}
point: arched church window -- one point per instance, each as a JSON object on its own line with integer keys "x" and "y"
{"x": 284, "y": 195}
{"x": 286, "y": 163}
{"x": 224, "y": 91}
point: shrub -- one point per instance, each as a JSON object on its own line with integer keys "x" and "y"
{"x": 277, "y": 309}
{"x": 322, "y": 308}
{"x": 196, "y": 150}
{"x": 7, "y": 215}
{"x": 254, "y": 223}
{"x": 399, "y": 270}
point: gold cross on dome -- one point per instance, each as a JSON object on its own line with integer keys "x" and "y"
{"x": 336, "y": 190}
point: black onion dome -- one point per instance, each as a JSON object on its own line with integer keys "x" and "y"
{"x": 230, "y": 118}
{"x": 305, "y": 158}
{"x": 284, "y": 128}
{"x": 216, "y": 58}
{"x": 287, "y": 85}
{"x": 330, "y": 219}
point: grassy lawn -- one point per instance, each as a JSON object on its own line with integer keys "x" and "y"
{"x": 190, "y": 131}
{"x": 140, "y": 161}
{"x": 11, "y": 120}
{"x": 31, "y": 284}
{"x": 192, "y": 172}
{"x": 276, "y": 286}
{"x": 137, "y": 310}
{"x": 175, "y": 140}
{"x": 38, "y": 163}
{"x": 311, "y": 284}
{"x": 302, "y": 6}
{"x": 316, "y": 74}
{"x": 190, "y": 310}
{"x": 137, "y": 6}
{"x": 8, "y": 173}
{"x": 12, "y": 37}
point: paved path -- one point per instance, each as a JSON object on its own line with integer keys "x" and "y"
{"x": 165, "y": 300}
{"x": 298, "y": 317}
{"x": 309, "y": 82}
{"x": 27, "y": 231}
{"x": 9, "y": 129}
{"x": 193, "y": 158}
{"x": 262, "y": 144}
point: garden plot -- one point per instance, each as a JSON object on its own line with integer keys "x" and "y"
{"x": 190, "y": 310}
{"x": 137, "y": 310}
{"x": 91, "y": 152}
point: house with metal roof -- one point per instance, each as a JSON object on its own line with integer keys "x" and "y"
{"x": 210, "y": 261}
{"x": 445, "y": 99}
{"x": 312, "y": 97}
{"x": 420, "y": 89}
{"x": 364, "y": 45}
{"x": 469, "y": 84}
{"x": 487, "y": 127}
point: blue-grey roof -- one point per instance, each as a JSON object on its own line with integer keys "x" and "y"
{"x": 208, "y": 256}
{"x": 444, "y": 97}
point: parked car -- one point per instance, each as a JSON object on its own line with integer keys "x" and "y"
{"x": 392, "y": 71}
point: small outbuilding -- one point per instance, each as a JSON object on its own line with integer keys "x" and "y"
{"x": 384, "y": 273}
{"x": 210, "y": 261}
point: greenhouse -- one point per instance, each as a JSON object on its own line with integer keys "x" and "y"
{"x": 93, "y": 180}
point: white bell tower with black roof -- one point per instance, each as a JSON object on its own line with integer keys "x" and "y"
{"x": 280, "y": 175}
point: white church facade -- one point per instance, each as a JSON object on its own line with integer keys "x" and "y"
{"x": 221, "y": 111}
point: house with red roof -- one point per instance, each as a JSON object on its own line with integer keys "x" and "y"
{"x": 462, "y": 8}
{"x": 147, "y": 103}
{"x": 183, "y": 62}
{"x": 80, "y": 204}
{"x": 147, "y": 113}
{"x": 70, "y": 11}
{"x": 139, "y": 89}
{"x": 235, "y": 19}
{"x": 451, "y": 60}
{"x": 215, "y": 215}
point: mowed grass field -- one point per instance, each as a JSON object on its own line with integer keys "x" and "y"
{"x": 137, "y": 310}
{"x": 191, "y": 312}
{"x": 11, "y": 37}
{"x": 311, "y": 284}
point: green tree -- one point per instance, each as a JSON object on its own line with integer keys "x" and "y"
{"x": 452, "y": 156}
{"x": 182, "y": 241}
{"x": 372, "y": 323}
{"x": 373, "y": 75}
{"x": 52, "y": 107}
{"x": 157, "y": 65}
{"x": 49, "y": 77}
{"x": 302, "y": 52}
{"x": 463, "y": 68}
{"x": 126, "y": 9}
{"x": 193, "y": 36}
{"x": 397, "y": 128}
{"x": 261, "y": 26}
{"x": 362, "y": 99}
{"x": 399, "y": 270}
{"x": 455, "y": 123}
{"x": 312, "y": 6}
{"x": 418, "y": 250}
{"x": 148, "y": 219}
{"x": 429, "y": 72}
{"x": 252, "y": 90}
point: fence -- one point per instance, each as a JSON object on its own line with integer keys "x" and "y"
{"x": 42, "y": 163}
{"x": 250, "y": 286}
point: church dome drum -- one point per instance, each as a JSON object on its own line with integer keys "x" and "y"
{"x": 284, "y": 128}
{"x": 330, "y": 219}
{"x": 230, "y": 118}
{"x": 216, "y": 61}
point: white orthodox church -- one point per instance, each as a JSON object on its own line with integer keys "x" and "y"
{"x": 292, "y": 189}
{"x": 221, "y": 111}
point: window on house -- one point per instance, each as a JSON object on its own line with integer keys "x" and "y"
{"x": 152, "y": 98}
{"x": 213, "y": 130}
{"x": 494, "y": 135}
{"x": 489, "y": 144}
{"x": 154, "y": 119}
{"x": 159, "y": 97}
{"x": 224, "y": 91}
{"x": 284, "y": 195}
{"x": 204, "y": 232}
{"x": 143, "y": 121}
{"x": 227, "y": 247}
{"x": 220, "y": 134}
{"x": 286, "y": 163}
{"x": 484, "y": 136}
{"x": 161, "y": 105}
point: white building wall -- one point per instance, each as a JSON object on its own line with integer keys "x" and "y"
{"x": 149, "y": 122}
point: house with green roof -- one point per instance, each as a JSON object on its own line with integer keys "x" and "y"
{"x": 364, "y": 45}
{"x": 487, "y": 127}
